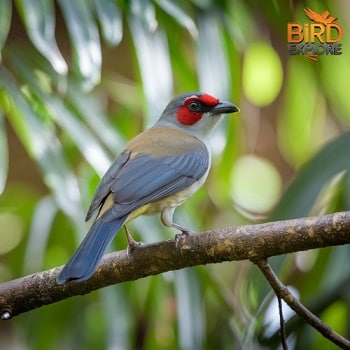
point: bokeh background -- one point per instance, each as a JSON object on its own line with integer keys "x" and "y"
{"x": 80, "y": 78}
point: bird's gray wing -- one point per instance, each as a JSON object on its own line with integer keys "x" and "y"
{"x": 104, "y": 188}
{"x": 143, "y": 179}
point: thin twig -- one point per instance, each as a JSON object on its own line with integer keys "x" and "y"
{"x": 282, "y": 291}
{"x": 282, "y": 324}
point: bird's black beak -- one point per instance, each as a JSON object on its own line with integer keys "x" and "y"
{"x": 224, "y": 107}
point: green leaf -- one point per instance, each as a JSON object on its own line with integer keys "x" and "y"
{"x": 79, "y": 133}
{"x": 85, "y": 40}
{"x": 43, "y": 145}
{"x": 5, "y": 20}
{"x": 179, "y": 15}
{"x": 110, "y": 20}
{"x": 93, "y": 115}
{"x": 38, "y": 236}
{"x": 82, "y": 137}
{"x": 144, "y": 10}
{"x": 153, "y": 57}
{"x": 39, "y": 19}
{"x": 117, "y": 312}
{"x": 190, "y": 319}
{"x": 4, "y": 156}
{"x": 302, "y": 193}
{"x": 213, "y": 77}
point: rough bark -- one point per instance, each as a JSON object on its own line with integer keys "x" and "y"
{"x": 251, "y": 242}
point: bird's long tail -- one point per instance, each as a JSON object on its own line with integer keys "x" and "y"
{"x": 83, "y": 263}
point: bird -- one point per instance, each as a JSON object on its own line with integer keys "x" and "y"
{"x": 323, "y": 17}
{"x": 157, "y": 171}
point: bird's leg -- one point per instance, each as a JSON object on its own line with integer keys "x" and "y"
{"x": 167, "y": 219}
{"x": 132, "y": 244}
{"x": 184, "y": 231}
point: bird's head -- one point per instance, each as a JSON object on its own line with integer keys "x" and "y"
{"x": 195, "y": 112}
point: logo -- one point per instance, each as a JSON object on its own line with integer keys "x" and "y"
{"x": 317, "y": 38}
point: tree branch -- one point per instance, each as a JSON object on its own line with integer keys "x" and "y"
{"x": 228, "y": 244}
{"x": 283, "y": 292}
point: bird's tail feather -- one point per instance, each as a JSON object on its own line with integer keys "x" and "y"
{"x": 83, "y": 263}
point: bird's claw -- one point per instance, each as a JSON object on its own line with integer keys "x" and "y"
{"x": 181, "y": 236}
{"x": 132, "y": 246}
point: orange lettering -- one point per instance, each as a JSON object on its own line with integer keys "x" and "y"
{"x": 315, "y": 33}
{"x": 295, "y": 33}
{"x": 306, "y": 32}
{"x": 338, "y": 29}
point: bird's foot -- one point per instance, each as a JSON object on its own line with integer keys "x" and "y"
{"x": 132, "y": 244}
{"x": 132, "y": 247}
{"x": 181, "y": 236}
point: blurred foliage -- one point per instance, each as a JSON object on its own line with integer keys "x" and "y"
{"x": 79, "y": 78}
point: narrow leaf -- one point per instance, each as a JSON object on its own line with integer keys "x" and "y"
{"x": 40, "y": 229}
{"x": 91, "y": 112}
{"x": 43, "y": 145}
{"x": 4, "y": 156}
{"x": 117, "y": 312}
{"x": 85, "y": 40}
{"x": 39, "y": 19}
{"x": 110, "y": 19}
{"x": 179, "y": 15}
{"x": 212, "y": 68}
{"x": 189, "y": 309}
{"x": 5, "y": 21}
{"x": 144, "y": 10}
{"x": 82, "y": 137}
{"x": 153, "y": 57}
{"x": 213, "y": 77}
{"x": 302, "y": 193}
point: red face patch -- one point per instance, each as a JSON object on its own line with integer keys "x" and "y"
{"x": 194, "y": 107}
{"x": 209, "y": 100}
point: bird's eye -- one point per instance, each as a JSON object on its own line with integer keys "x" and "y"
{"x": 194, "y": 106}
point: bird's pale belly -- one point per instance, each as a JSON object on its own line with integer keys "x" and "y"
{"x": 172, "y": 201}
